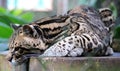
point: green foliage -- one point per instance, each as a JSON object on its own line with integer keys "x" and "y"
{"x": 114, "y": 9}
{"x": 27, "y": 16}
{"x": 12, "y": 17}
{"x": 87, "y": 2}
{"x": 117, "y": 32}
{"x": 5, "y": 32}
{"x": 16, "y": 12}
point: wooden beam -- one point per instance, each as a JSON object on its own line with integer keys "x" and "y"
{"x": 106, "y": 63}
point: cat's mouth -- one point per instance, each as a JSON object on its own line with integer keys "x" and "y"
{"x": 21, "y": 55}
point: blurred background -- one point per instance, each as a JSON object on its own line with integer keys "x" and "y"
{"x": 26, "y": 11}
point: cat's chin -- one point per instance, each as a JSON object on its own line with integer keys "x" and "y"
{"x": 14, "y": 63}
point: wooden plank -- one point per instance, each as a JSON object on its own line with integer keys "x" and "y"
{"x": 22, "y": 67}
{"x": 4, "y": 64}
{"x": 108, "y": 63}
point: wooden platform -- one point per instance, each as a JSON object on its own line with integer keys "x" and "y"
{"x": 109, "y": 63}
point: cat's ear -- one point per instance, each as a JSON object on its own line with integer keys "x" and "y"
{"x": 15, "y": 26}
{"x": 28, "y": 30}
{"x": 33, "y": 31}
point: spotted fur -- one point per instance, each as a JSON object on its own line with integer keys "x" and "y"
{"x": 84, "y": 39}
{"x": 37, "y": 36}
{"x": 82, "y": 31}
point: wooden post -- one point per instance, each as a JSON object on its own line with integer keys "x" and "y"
{"x": 22, "y": 67}
{"x": 7, "y": 66}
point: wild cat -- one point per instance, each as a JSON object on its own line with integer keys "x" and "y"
{"x": 82, "y": 30}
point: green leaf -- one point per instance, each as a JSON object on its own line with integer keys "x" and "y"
{"x": 117, "y": 32}
{"x": 15, "y": 19}
{"x": 27, "y": 16}
{"x": 8, "y": 18}
{"x": 114, "y": 9}
{"x": 16, "y": 12}
{"x": 2, "y": 10}
{"x": 5, "y": 20}
{"x": 5, "y": 32}
{"x": 4, "y": 25}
